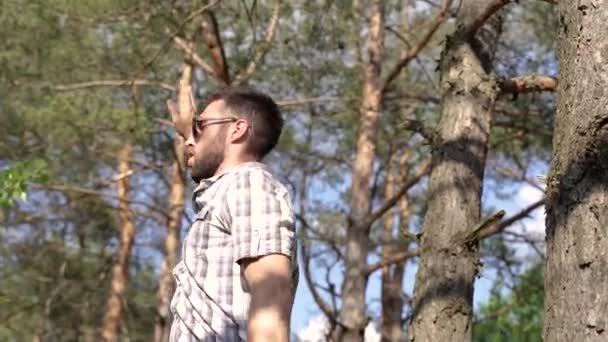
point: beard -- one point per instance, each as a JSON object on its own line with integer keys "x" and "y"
{"x": 207, "y": 165}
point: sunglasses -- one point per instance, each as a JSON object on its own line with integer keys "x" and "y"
{"x": 199, "y": 124}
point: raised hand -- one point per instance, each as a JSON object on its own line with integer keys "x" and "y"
{"x": 183, "y": 112}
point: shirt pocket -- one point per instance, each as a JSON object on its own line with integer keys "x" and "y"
{"x": 207, "y": 236}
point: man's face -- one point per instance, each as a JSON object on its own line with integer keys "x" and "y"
{"x": 206, "y": 149}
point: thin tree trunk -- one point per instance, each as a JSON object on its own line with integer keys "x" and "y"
{"x": 120, "y": 269}
{"x": 443, "y": 295}
{"x": 352, "y": 314}
{"x": 176, "y": 211}
{"x": 576, "y": 276}
{"x": 387, "y": 295}
{"x": 392, "y": 275}
{"x": 211, "y": 38}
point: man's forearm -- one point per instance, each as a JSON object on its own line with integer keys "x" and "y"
{"x": 271, "y": 298}
{"x": 267, "y": 324}
{"x": 269, "y": 314}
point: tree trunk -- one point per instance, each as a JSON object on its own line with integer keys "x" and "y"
{"x": 211, "y": 38}
{"x": 176, "y": 211}
{"x": 392, "y": 275}
{"x": 443, "y": 295}
{"x": 576, "y": 276}
{"x": 352, "y": 314}
{"x": 120, "y": 269}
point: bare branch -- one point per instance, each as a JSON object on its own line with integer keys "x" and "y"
{"x": 490, "y": 9}
{"x": 295, "y": 102}
{"x": 511, "y": 220}
{"x": 324, "y": 306}
{"x": 266, "y": 45}
{"x": 519, "y": 176}
{"x": 93, "y": 192}
{"x": 414, "y": 51}
{"x": 173, "y": 34}
{"x": 528, "y": 84}
{"x": 489, "y": 227}
{"x": 474, "y": 234}
{"x": 112, "y": 83}
{"x": 211, "y": 38}
{"x": 396, "y": 258}
{"x": 192, "y": 55}
{"x": 422, "y": 171}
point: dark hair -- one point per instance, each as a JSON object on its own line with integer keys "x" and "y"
{"x": 260, "y": 111}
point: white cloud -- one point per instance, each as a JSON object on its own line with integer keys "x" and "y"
{"x": 372, "y": 334}
{"x": 315, "y": 331}
{"x": 318, "y": 327}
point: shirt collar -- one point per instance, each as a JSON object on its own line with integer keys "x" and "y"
{"x": 206, "y": 183}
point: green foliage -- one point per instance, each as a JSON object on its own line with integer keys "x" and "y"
{"x": 516, "y": 316}
{"x": 13, "y": 181}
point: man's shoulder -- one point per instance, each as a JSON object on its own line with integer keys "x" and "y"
{"x": 255, "y": 175}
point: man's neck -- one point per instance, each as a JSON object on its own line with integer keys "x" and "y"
{"x": 228, "y": 164}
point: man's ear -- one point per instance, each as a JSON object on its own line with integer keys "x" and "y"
{"x": 240, "y": 131}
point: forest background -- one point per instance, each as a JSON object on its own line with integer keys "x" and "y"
{"x": 94, "y": 196}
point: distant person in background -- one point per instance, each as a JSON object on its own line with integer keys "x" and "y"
{"x": 237, "y": 277}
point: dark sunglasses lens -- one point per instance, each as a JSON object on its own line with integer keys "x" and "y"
{"x": 195, "y": 129}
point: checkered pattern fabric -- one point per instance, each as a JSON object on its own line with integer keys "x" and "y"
{"x": 243, "y": 213}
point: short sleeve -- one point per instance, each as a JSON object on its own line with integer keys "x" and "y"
{"x": 260, "y": 215}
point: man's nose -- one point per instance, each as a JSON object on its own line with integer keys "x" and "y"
{"x": 190, "y": 141}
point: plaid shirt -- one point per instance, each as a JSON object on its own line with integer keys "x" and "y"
{"x": 243, "y": 213}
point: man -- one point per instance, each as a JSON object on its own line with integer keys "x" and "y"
{"x": 236, "y": 278}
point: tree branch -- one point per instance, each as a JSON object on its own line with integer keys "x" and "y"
{"x": 474, "y": 234}
{"x": 324, "y": 306}
{"x": 485, "y": 229}
{"x": 173, "y": 34}
{"x": 193, "y": 56}
{"x": 491, "y": 8}
{"x": 211, "y": 38}
{"x": 422, "y": 171}
{"x": 511, "y": 220}
{"x": 112, "y": 83}
{"x": 396, "y": 258}
{"x": 528, "y": 84}
{"x": 414, "y": 51}
{"x": 93, "y": 192}
{"x": 295, "y": 102}
{"x": 266, "y": 45}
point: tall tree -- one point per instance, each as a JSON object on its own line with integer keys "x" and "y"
{"x": 352, "y": 315}
{"x": 177, "y": 192}
{"x": 443, "y": 295}
{"x": 120, "y": 269}
{"x": 577, "y": 188}
{"x": 392, "y": 275}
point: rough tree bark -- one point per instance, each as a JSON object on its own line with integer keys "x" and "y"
{"x": 576, "y": 278}
{"x": 120, "y": 269}
{"x": 176, "y": 210}
{"x": 443, "y": 295}
{"x": 352, "y": 317}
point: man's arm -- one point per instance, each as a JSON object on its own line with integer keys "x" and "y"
{"x": 269, "y": 281}
{"x": 183, "y": 111}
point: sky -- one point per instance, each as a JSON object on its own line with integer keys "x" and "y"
{"x": 308, "y": 322}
